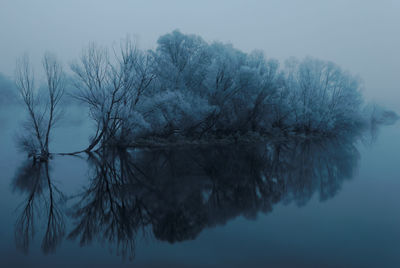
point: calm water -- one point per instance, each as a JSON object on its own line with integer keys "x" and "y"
{"x": 283, "y": 204}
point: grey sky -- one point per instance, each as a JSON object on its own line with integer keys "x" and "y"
{"x": 362, "y": 36}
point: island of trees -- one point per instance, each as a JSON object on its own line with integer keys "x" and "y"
{"x": 190, "y": 91}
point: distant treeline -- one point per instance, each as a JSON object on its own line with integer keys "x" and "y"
{"x": 8, "y": 92}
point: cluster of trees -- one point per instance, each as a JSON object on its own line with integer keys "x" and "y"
{"x": 191, "y": 89}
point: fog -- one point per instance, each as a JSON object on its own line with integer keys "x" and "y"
{"x": 173, "y": 140}
{"x": 360, "y": 36}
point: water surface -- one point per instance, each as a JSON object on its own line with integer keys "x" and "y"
{"x": 286, "y": 203}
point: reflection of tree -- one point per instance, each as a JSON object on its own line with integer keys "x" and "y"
{"x": 178, "y": 192}
{"x": 34, "y": 180}
{"x": 106, "y": 208}
{"x": 174, "y": 193}
{"x": 318, "y": 167}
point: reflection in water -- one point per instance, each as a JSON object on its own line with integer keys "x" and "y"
{"x": 34, "y": 180}
{"x": 174, "y": 193}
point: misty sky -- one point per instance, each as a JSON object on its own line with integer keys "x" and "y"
{"x": 362, "y": 36}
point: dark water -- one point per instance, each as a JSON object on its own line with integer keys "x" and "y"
{"x": 287, "y": 203}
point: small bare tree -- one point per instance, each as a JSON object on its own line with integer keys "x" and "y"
{"x": 43, "y": 113}
{"x": 25, "y": 82}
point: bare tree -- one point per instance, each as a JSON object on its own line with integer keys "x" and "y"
{"x": 56, "y": 84}
{"x": 42, "y": 116}
{"x": 25, "y": 83}
{"x": 98, "y": 87}
{"x": 111, "y": 87}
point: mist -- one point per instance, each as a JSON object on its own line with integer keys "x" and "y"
{"x": 199, "y": 134}
{"x": 360, "y": 36}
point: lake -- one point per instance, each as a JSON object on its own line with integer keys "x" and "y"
{"x": 286, "y": 203}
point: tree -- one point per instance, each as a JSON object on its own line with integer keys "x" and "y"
{"x": 42, "y": 116}
{"x": 112, "y": 88}
{"x": 324, "y": 98}
{"x": 56, "y": 84}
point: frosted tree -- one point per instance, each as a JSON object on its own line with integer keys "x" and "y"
{"x": 324, "y": 98}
